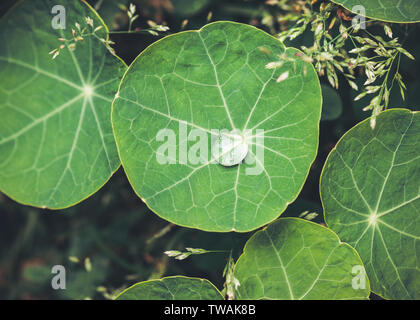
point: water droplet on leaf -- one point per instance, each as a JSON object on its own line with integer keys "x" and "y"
{"x": 229, "y": 149}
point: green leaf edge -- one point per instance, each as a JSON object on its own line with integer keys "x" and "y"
{"x": 310, "y": 222}
{"x": 370, "y": 17}
{"x": 310, "y": 65}
{"x": 118, "y": 166}
{"x": 169, "y": 277}
{"x": 322, "y": 174}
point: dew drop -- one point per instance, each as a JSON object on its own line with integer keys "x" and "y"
{"x": 229, "y": 149}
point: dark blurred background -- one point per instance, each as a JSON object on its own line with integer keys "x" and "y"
{"x": 112, "y": 240}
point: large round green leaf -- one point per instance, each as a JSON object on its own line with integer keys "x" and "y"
{"x": 195, "y": 82}
{"x": 370, "y": 192}
{"x": 56, "y": 142}
{"x": 172, "y": 288}
{"x": 404, "y": 11}
{"x": 297, "y": 259}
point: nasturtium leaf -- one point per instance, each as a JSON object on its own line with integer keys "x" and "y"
{"x": 403, "y": 11}
{"x": 297, "y": 259}
{"x": 172, "y": 288}
{"x": 185, "y": 90}
{"x": 370, "y": 192}
{"x": 56, "y": 142}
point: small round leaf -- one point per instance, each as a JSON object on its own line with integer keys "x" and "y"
{"x": 56, "y": 142}
{"x": 172, "y": 288}
{"x": 371, "y": 197}
{"x": 297, "y": 259}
